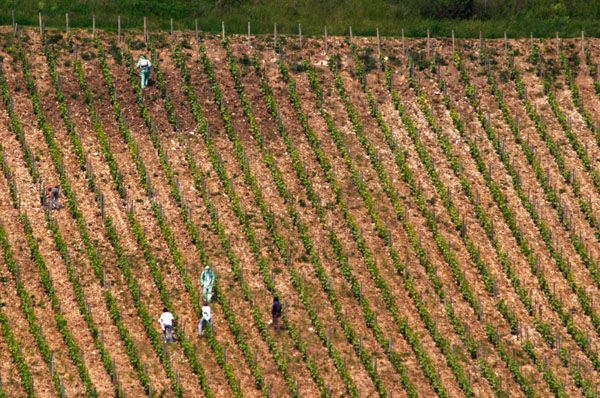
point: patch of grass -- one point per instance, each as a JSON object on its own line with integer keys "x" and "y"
{"x": 419, "y": 59}
{"x": 245, "y": 60}
{"x": 88, "y": 55}
{"x": 298, "y": 67}
{"x": 137, "y": 45}
{"x": 503, "y": 76}
{"x": 466, "y": 17}
{"x": 368, "y": 60}
{"x": 159, "y": 40}
{"x": 303, "y": 258}
{"x": 115, "y": 52}
{"x": 54, "y": 38}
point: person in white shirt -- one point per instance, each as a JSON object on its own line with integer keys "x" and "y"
{"x": 166, "y": 323}
{"x": 206, "y": 318}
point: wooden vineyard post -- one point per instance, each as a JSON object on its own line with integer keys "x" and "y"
{"x": 351, "y": 38}
{"x": 119, "y": 28}
{"x": 300, "y": 34}
{"x": 582, "y": 43}
{"x": 93, "y": 25}
{"x": 531, "y": 39}
{"x": 171, "y": 30}
{"x": 379, "y": 44}
{"x": 557, "y": 46}
{"x": 428, "y": 47}
{"x": 326, "y": 43}
{"x": 275, "y": 37}
{"x": 249, "y": 43}
{"x": 480, "y": 40}
{"x": 41, "y": 28}
{"x": 196, "y": 26}
{"x": 453, "y": 43}
{"x": 403, "y": 46}
{"x": 145, "y": 31}
{"x": 223, "y": 30}
{"x": 505, "y": 45}
{"x": 67, "y": 20}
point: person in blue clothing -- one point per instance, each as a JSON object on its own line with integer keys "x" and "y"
{"x": 53, "y": 197}
{"x": 206, "y": 318}
{"x": 166, "y": 324}
{"x": 144, "y": 65}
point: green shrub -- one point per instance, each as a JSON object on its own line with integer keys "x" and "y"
{"x": 447, "y": 9}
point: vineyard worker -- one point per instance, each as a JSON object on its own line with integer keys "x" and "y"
{"x": 276, "y": 313}
{"x": 206, "y": 318}
{"x": 166, "y": 323}
{"x": 144, "y": 65}
{"x": 207, "y": 278}
{"x": 53, "y": 194}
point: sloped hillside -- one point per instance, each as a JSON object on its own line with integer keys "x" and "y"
{"x": 427, "y": 211}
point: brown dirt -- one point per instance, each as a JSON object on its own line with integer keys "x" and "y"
{"x": 312, "y": 50}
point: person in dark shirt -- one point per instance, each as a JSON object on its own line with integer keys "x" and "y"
{"x": 276, "y": 313}
{"x": 53, "y": 196}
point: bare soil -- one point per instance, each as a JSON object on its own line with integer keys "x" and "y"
{"x": 172, "y": 143}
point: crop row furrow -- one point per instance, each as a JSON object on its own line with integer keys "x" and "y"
{"x": 424, "y": 360}
{"x": 565, "y": 122}
{"x": 61, "y": 244}
{"x": 489, "y": 282}
{"x": 96, "y": 264}
{"x": 562, "y": 264}
{"x": 14, "y": 346}
{"x": 219, "y": 229}
{"x": 75, "y": 353}
{"x": 247, "y": 229}
{"x": 142, "y": 241}
{"x": 278, "y": 239}
{"x": 552, "y": 194}
{"x": 335, "y": 242}
{"x": 442, "y": 244}
{"x": 508, "y": 214}
{"x": 17, "y": 128}
{"x": 156, "y": 210}
{"x": 479, "y": 211}
{"x": 484, "y": 219}
{"x": 341, "y": 257}
{"x": 73, "y": 349}
{"x": 329, "y": 174}
{"x": 193, "y": 233}
{"x": 121, "y": 257}
{"x": 581, "y": 152}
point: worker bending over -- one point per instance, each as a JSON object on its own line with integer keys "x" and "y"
{"x": 144, "y": 65}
